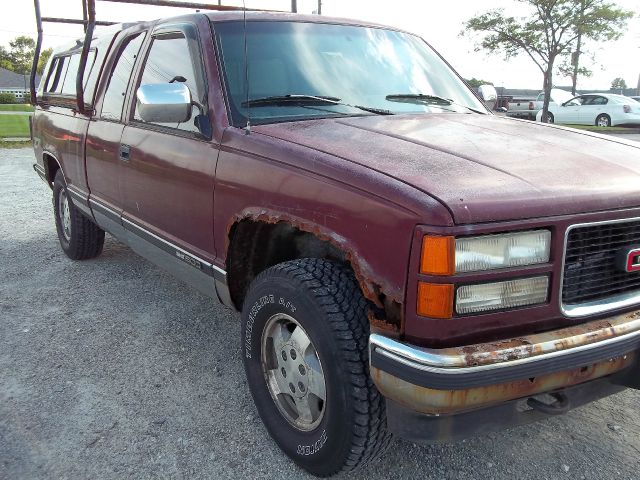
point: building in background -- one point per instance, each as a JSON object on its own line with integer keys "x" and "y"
{"x": 16, "y": 83}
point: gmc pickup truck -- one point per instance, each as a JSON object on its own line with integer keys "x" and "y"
{"x": 397, "y": 268}
{"x": 528, "y": 109}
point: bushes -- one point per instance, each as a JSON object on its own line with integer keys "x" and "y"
{"x": 7, "y": 97}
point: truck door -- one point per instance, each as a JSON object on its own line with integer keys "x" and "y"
{"x": 103, "y": 155}
{"x": 168, "y": 177}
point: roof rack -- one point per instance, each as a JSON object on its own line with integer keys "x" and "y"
{"x": 89, "y": 22}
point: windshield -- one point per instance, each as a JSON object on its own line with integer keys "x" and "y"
{"x": 360, "y": 66}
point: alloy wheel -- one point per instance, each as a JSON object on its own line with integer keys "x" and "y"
{"x": 293, "y": 372}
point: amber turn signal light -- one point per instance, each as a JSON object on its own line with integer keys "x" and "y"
{"x": 435, "y": 300}
{"x": 438, "y": 255}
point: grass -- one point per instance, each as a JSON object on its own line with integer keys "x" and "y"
{"x": 4, "y": 144}
{"x": 14, "y": 126}
{"x": 593, "y": 128}
{"x": 16, "y": 107}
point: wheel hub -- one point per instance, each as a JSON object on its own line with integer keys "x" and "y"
{"x": 293, "y": 372}
{"x": 293, "y": 369}
{"x": 65, "y": 214}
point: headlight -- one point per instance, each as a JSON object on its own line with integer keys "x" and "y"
{"x": 502, "y": 251}
{"x": 501, "y": 295}
{"x": 449, "y": 255}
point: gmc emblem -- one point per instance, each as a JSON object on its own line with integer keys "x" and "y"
{"x": 629, "y": 259}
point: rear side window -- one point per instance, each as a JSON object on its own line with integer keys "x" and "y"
{"x": 53, "y": 75}
{"x": 61, "y": 65}
{"x": 69, "y": 85}
{"x": 117, "y": 89}
{"x": 170, "y": 59}
{"x": 63, "y": 72}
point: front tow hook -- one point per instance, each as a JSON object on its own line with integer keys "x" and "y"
{"x": 560, "y": 406}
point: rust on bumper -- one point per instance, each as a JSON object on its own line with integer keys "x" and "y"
{"x": 452, "y": 380}
{"x": 440, "y": 402}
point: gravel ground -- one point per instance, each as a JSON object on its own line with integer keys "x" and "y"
{"x": 112, "y": 369}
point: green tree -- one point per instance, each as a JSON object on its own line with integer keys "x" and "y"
{"x": 5, "y": 60}
{"x": 21, "y": 53}
{"x": 475, "y": 82}
{"x": 618, "y": 84}
{"x": 44, "y": 58}
{"x": 548, "y": 32}
{"x": 568, "y": 69}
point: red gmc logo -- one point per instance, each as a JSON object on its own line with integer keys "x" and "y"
{"x": 632, "y": 263}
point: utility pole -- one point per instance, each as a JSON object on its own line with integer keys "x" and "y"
{"x": 576, "y": 55}
{"x": 294, "y": 6}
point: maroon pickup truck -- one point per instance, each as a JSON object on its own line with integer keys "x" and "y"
{"x": 398, "y": 268}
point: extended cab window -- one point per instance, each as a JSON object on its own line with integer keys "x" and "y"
{"x": 54, "y": 75}
{"x": 63, "y": 71}
{"x": 57, "y": 77}
{"x": 117, "y": 89}
{"x": 169, "y": 60}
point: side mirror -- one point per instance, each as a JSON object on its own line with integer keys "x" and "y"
{"x": 488, "y": 93}
{"x": 164, "y": 102}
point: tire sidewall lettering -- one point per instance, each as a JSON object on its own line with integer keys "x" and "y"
{"x": 259, "y": 304}
{"x": 306, "y": 450}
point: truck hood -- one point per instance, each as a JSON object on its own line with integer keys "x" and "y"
{"x": 483, "y": 168}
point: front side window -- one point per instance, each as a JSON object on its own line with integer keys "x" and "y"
{"x": 372, "y": 67}
{"x": 169, "y": 60}
{"x": 116, "y": 91}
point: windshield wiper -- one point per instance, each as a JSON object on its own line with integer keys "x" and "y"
{"x": 428, "y": 99}
{"x": 303, "y": 100}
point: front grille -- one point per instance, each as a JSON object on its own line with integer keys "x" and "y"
{"x": 590, "y": 271}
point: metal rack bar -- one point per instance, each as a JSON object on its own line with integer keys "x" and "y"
{"x": 88, "y": 35}
{"x": 75, "y": 21}
{"x": 89, "y": 23}
{"x": 195, "y": 5}
{"x": 36, "y": 53}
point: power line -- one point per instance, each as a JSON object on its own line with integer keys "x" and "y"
{"x": 33, "y": 33}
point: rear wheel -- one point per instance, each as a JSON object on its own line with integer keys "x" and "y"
{"x": 79, "y": 237}
{"x": 603, "y": 120}
{"x": 305, "y": 335}
{"x": 550, "y": 117}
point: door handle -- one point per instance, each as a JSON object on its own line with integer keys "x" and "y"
{"x": 123, "y": 152}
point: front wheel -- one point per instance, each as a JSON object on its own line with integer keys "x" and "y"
{"x": 550, "y": 117}
{"x": 305, "y": 334}
{"x": 603, "y": 120}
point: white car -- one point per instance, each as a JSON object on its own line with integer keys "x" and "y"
{"x": 601, "y": 109}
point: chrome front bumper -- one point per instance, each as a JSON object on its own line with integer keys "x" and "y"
{"x": 450, "y": 380}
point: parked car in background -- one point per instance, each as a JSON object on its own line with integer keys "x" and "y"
{"x": 637, "y": 99}
{"x": 530, "y": 108}
{"x": 601, "y": 109}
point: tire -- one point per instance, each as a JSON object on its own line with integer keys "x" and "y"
{"x": 79, "y": 237}
{"x": 322, "y": 301}
{"x": 603, "y": 120}
{"x": 550, "y": 117}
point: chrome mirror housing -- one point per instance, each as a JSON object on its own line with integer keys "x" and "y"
{"x": 488, "y": 93}
{"x": 164, "y": 102}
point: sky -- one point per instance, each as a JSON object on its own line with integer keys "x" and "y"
{"x": 439, "y": 22}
